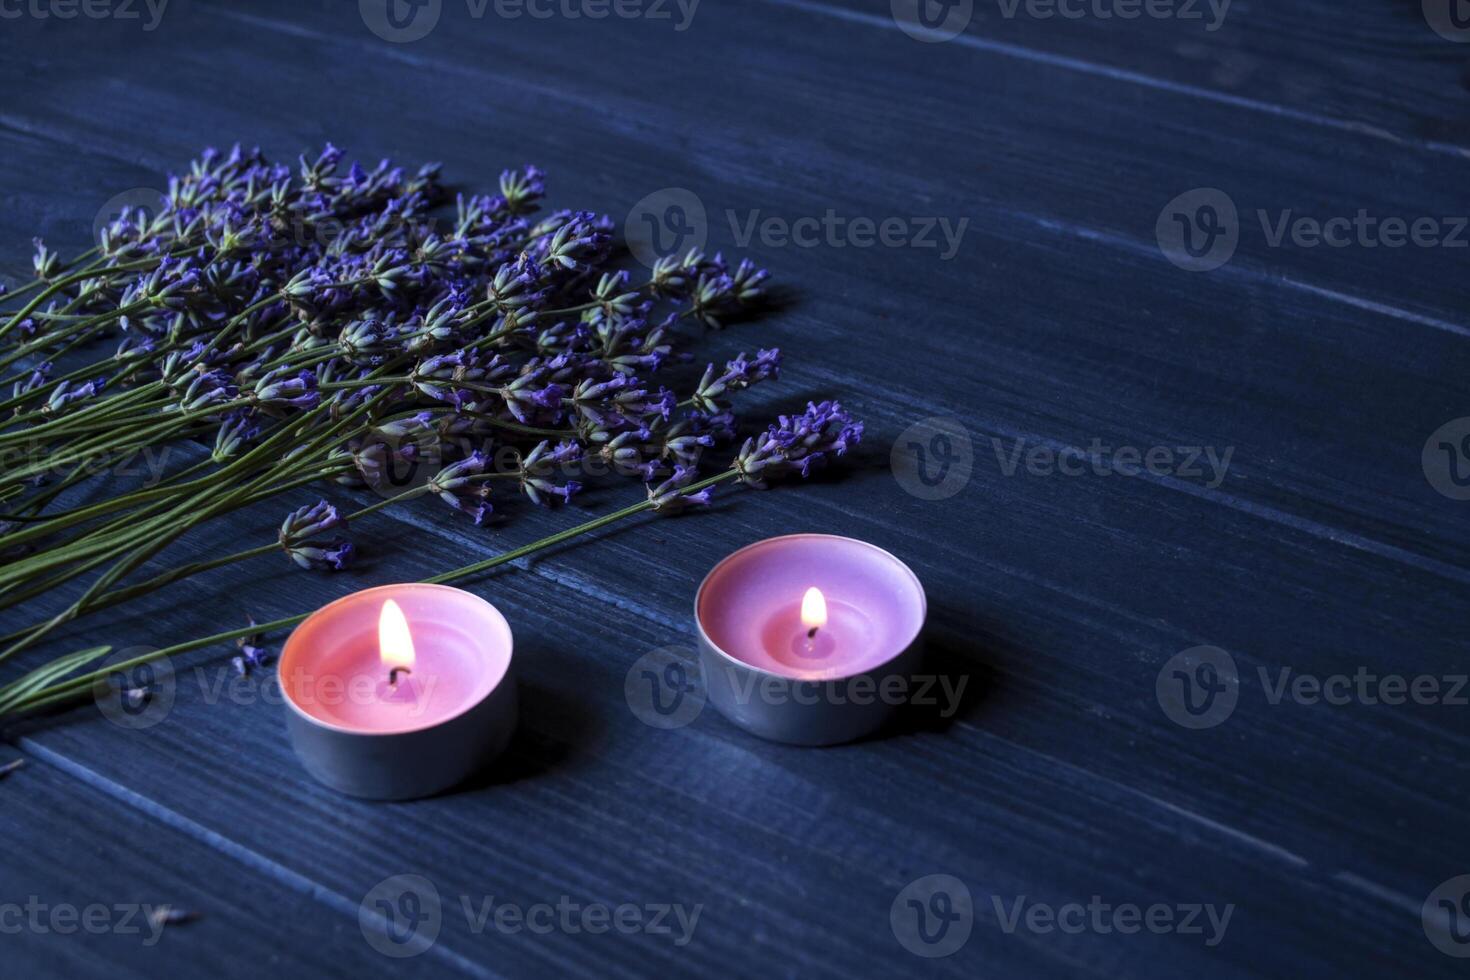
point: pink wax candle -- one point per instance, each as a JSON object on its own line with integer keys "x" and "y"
{"x": 400, "y": 690}
{"x": 803, "y": 609}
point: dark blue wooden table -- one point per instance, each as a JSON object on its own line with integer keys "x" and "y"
{"x": 1123, "y": 403}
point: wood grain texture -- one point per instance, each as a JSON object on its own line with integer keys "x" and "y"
{"x": 1056, "y": 323}
{"x": 86, "y": 873}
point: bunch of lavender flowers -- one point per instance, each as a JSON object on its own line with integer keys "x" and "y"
{"x": 320, "y": 323}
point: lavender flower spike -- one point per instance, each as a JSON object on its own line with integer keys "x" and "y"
{"x": 797, "y": 443}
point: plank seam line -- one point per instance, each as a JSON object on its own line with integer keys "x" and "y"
{"x": 1275, "y": 515}
{"x": 1238, "y": 270}
{"x": 243, "y": 855}
{"x": 1376, "y": 890}
{"x": 1085, "y": 67}
{"x": 42, "y": 133}
{"x": 1284, "y": 855}
{"x": 1264, "y": 512}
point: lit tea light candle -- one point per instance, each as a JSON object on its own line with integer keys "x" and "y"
{"x": 800, "y": 634}
{"x": 399, "y": 691}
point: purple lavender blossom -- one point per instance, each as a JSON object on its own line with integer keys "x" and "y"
{"x": 798, "y": 443}
{"x": 739, "y": 374}
{"x": 239, "y": 427}
{"x": 253, "y": 652}
{"x": 285, "y": 388}
{"x": 38, "y": 376}
{"x": 545, "y": 462}
{"x": 306, "y": 523}
{"x": 455, "y": 484}
{"x": 66, "y": 393}
{"x": 668, "y": 498}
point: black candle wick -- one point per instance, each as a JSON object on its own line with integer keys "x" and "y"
{"x": 811, "y": 633}
{"x": 393, "y": 675}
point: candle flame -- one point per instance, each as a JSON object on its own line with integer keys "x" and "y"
{"x": 395, "y": 644}
{"x": 813, "y": 609}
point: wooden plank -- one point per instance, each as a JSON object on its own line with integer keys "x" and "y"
{"x": 1378, "y": 70}
{"x": 85, "y": 873}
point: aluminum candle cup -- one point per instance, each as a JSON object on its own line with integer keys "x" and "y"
{"x": 400, "y": 691}
{"x": 809, "y": 638}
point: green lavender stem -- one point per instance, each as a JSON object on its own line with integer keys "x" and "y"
{"x": 78, "y": 686}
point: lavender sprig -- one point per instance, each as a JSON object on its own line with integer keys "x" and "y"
{"x": 316, "y": 322}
